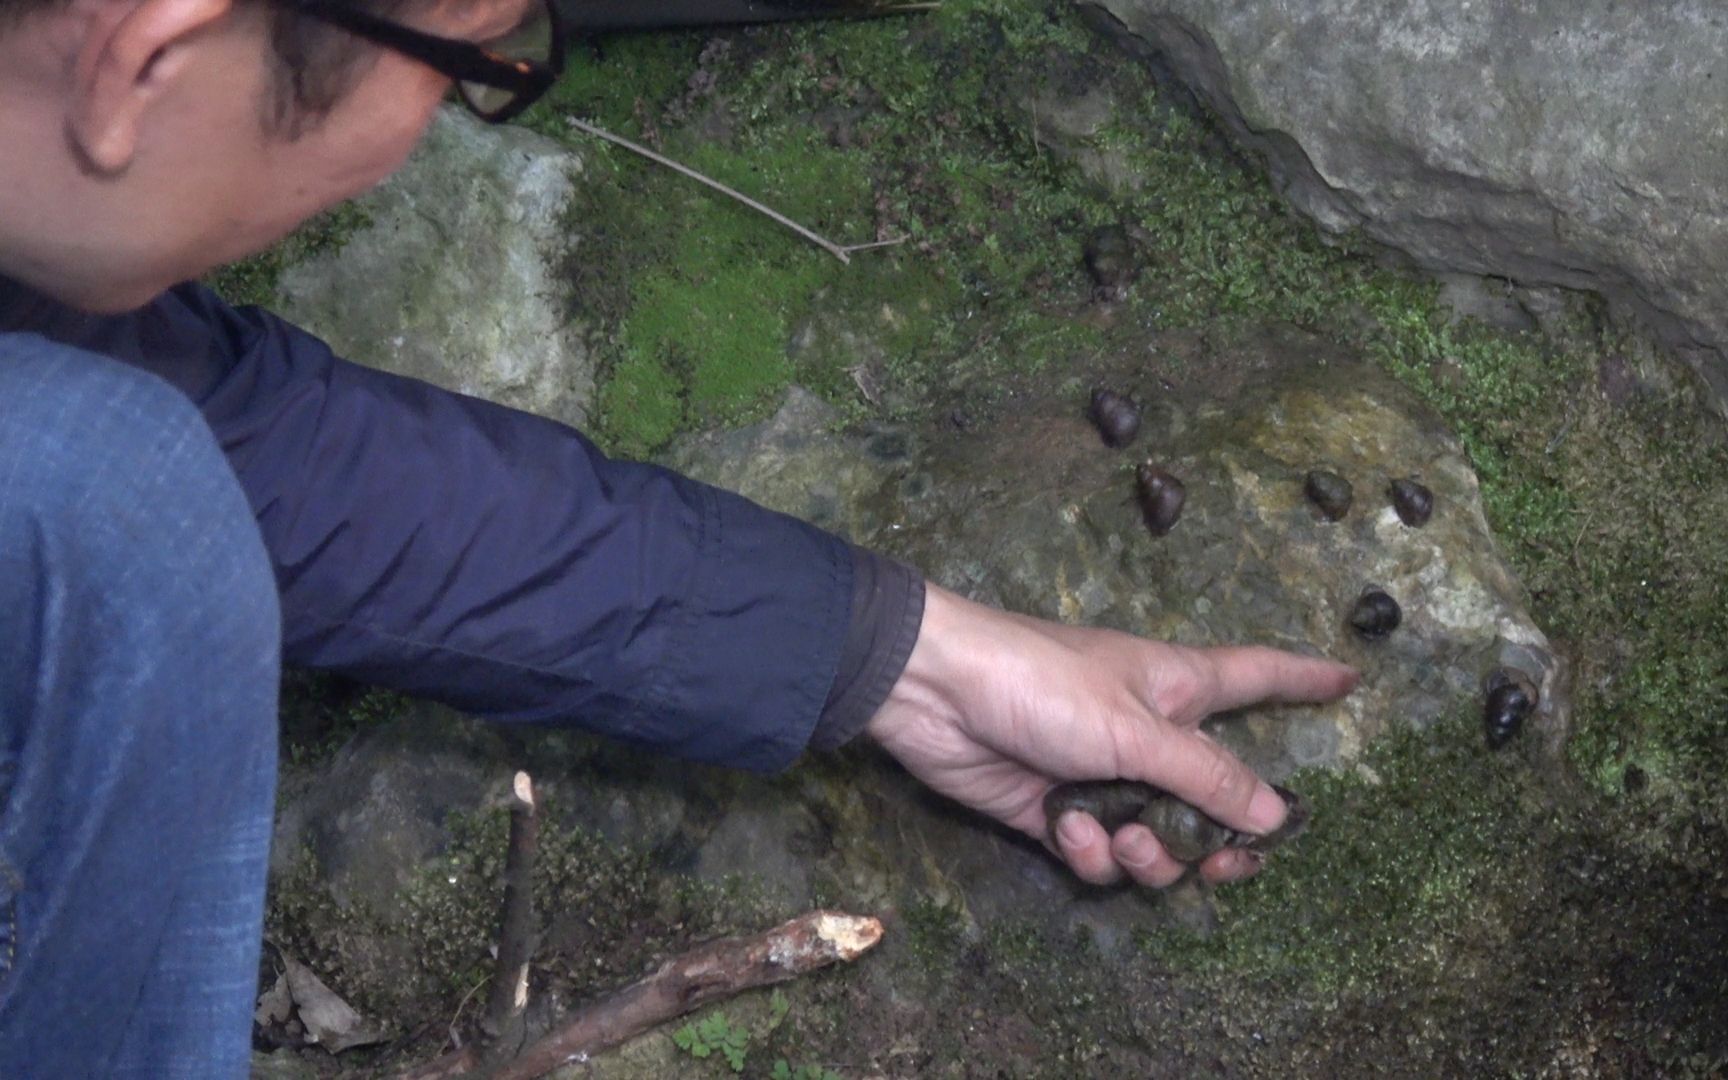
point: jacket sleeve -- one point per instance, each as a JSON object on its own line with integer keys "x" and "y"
{"x": 497, "y": 561}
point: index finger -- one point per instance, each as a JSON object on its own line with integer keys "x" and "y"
{"x": 1200, "y": 772}
{"x": 1249, "y": 674}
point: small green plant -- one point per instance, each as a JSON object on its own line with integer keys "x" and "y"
{"x": 712, "y": 1033}
{"x": 778, "y": 1007}
{"x": 785, "y": 1071}
{"x": 253, "y": 280}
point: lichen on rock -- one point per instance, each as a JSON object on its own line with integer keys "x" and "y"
{"x": 456, "y": 276}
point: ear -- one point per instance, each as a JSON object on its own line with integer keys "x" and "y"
{"x": 127, "y": 60}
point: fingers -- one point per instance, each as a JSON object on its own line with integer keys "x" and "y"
{"x": 1085, "y": 847}
{"x": 1102, "y": 860}
{"x": 1204, "y": 681}
{"x": 1145, "y": 859}
{"x": 1236, "y": 675}
{"x": 1230, "y": 864}
{"x": 1200, "y": 772}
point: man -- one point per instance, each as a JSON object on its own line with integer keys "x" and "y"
{"x": 189, "y": 492}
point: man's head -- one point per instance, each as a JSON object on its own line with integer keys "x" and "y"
{"x": 149, "y": 140}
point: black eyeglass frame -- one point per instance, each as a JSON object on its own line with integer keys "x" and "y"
{"x": 463, "y": 61}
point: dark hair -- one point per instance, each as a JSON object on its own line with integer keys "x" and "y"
{"x": 316, "y": 64}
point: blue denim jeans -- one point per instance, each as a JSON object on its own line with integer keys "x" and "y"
{"x": 139, "y": 645}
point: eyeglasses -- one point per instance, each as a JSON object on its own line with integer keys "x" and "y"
{"x": 497, "y": 80}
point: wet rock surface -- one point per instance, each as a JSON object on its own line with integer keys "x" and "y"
{"x": 1031, "y": 515}
{"x": 1443, "y": 895}
{"x": 1593, "y": 162}
{"x": 1028, "y": 510}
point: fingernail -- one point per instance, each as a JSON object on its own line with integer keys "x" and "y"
{"x": 1247, "y": 864}
{"x": 1071, "y": 828}
{"x": 1266, "y": 811}
{"x": 1138, "y": 850}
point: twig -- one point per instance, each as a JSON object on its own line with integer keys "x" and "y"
{"x": 456, "y": 1020}
{"x": 509, "y": 995}
{"x": 849, "y": 248}
{"x": 718, "y": 969}
{"x": 843, "y": 253}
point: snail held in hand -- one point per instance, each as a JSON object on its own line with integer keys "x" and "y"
{"x": 1413, "y": 501}
{"x": 1512, "y": 696}
{"x": 1186, "y": 833}
{"x": 1116, "y": 417}
{"x": 1330, "y": 493}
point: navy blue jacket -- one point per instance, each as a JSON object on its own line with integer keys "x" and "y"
{"x": 497, "y": 561}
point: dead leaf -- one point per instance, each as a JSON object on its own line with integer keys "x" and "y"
{"x": 868, "y": 384}
{"x": 276, "y": 1004}
{"x": 330, "y": 1022}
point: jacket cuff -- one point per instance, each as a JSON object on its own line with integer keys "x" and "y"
{"x": 887, "y": 612}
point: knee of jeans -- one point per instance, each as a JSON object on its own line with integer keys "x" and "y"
{"x": 116, "y": 483}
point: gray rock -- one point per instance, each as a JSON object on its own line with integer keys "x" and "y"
{"x": 770, "y": 844}
{"x": 1575, "y": 144}
{"x": 1027, "y": 509}
{"x": 794, "y": 463}
{"x": 1072, "y": 128}
{"x": 378, "y": 812}
{"x": 1034, "y": 516}
{"x": 1031, "y": 513}
{"x": 457, "y": 278}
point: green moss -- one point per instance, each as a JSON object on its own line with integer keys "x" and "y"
{"x": 1609, "y": 514}
{"x": 708, "y": 294}
{"x": 1438, "y": 846}
{"x": 607, "y": 77}
{"x": 935, "y": 931}
{"x": 253, "y": 280}
{"x": 320, "y": 713}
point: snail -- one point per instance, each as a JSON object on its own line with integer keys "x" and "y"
{"x": 1330, "y": 493}
{"x": 1512, "y": 696}
{"x": 1116, "y": 417}
{"x": 1186, "y": 833}
{"x": 1161, "y": 496}
{"x": 1375, "y": 615}
{"x": 1110, "y": 260}
{"x": 1413, "y": 501}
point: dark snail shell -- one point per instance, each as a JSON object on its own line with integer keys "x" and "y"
{"x": 1375, "y": 615}
{"x": 1110, "y": 258}
{"x": 1186, "y": 833}
{"x": 1512, "y": 696}
{"x": 1413, "y": 501}
{"x": 1330, "y": 493}
{"x": 1161, "y": 496}
{"x": 1116, "y": 417}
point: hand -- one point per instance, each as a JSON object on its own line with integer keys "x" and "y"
{"x": 994, "y": 709}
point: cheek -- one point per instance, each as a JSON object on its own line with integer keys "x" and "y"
{"x": 406, "y": 113}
